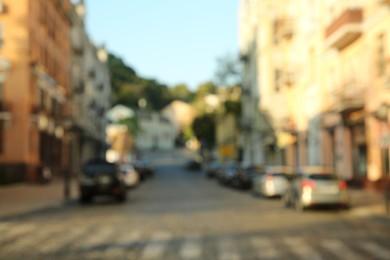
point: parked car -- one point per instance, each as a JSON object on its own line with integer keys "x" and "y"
{"x": 316, "y": 186}
{"x": 227, "y": 173}
{"x": 131, "y": 176}
{"x": 194, "y": 164}
{"x": 212, "y": 168}
{"x": 144, "y": 169}
{"x": 245, "y": 176}
{"x": 273, "y": 183}
{"x": 99, "y": 177}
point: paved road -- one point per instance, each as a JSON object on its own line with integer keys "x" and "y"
{"x": 183, "y": 215}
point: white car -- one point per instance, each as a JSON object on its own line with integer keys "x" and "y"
{"x": 130, "y": 175}
{"x": 273, "y": 183}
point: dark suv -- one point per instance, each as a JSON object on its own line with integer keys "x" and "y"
{"x": 99, "y": 177}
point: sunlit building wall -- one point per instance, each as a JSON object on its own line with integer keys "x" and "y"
{"x": 36, "y": 43}
{"x": 356, "y": 90}
{"x": 322, "y": 71}
{"x": 376, "y": 76}
{"x": 249, "y": 139}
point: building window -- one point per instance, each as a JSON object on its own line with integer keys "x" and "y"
{"x": 380, "y": 56}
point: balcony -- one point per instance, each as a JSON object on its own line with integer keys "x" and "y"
{"x": 347, "y": 99}
{"x": 345, "y": 29}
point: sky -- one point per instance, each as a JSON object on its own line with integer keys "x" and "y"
{"x": 172, "y": 41}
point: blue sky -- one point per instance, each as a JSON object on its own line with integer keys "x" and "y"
{"x": 173, "y": 41}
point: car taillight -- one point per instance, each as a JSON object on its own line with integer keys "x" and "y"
{"x": 343, "y": 185}
{"x": 308, "y": 185}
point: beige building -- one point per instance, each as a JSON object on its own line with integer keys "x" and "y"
{"x": 321, "y": 69}
{"x": 180, "y": 113}
{"x": 34, "y": 91}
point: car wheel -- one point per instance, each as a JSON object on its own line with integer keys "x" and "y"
{"x": 121, "y": 197}
{"x": 85, "y": 199}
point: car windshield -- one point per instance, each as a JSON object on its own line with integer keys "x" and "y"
{"x": 92, "y": 169}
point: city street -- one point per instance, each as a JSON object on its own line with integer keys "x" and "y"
{"x": 180, "y": 214}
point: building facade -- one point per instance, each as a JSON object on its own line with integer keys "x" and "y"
{"x": 35, "y": 89}
{"x": 322, "y": 73}
{"x": 55, "y": 92}
{"x": 91, "y": 93}
{"x": 156, "y": 132}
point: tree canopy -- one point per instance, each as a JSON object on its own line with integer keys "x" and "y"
{"x": 128, "y": 87}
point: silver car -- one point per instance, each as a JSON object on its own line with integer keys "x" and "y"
{"x": 273, "y": 182}
{"x": 316, "y": 186}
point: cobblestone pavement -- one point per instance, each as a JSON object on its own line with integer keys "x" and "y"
{"x": 183, "y": 215}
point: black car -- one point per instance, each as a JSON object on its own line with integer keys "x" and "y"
{"x": 245, "y": 176}
{"x": 142, "y": 166}
{"x": 99, "y": 177}
{"x": 212, "y": 168}
{"x": 227, "y": 173}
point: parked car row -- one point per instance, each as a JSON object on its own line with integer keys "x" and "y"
{"x": 302, "y": 188}
{"x": 99, "y": 177}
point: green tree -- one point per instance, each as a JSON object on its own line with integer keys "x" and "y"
{"x": 182, "y": 92}
{"x": 204, "y": 129}
{"x": 128, "y": 88}
{"x": 229, "y": 71}
{"x": 206, "y": 88}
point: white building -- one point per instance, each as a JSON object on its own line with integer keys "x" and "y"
{"x": 155, "y": 132}
{"x": 91, "y": 93}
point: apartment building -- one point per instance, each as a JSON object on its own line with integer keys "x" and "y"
{"x": 91, "y": 93}
{"x": 35, "y": 88}
{"x": 55, "y": 92}
{"x": 321, "y": 69}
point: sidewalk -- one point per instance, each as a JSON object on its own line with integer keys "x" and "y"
{"x": 19, "y": 199}
{"x": 368, "y": 206}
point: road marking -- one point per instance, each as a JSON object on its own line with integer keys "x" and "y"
{"x": 97, "y": 238}
{"x": 4, "y": 226}
{"x": 299, "y": 247}
{"x": 39, "y": 237}
{"x": 156, "y": 247}
{"x": 63, "y": 240}
{"x": 340, "y": 249}
{"x": 118, "y": 249}
{"x": 264, "y": 248}
{"x": 191, "y": 248}
{"x": 226, "y": 250}
{"x": 376, "y": 250}
{"x": 16, "y": 230}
